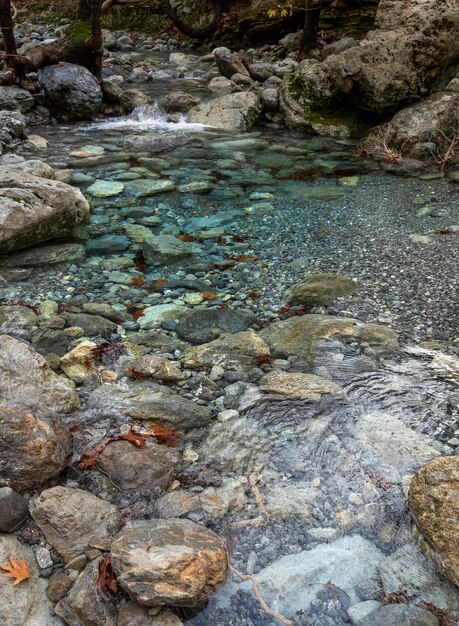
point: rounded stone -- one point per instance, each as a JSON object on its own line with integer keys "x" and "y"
{"x": 319, "y": 289}
{"x": 433, "y": 499}
{"x": 169, "y": 562}
{"x": 34, "y": 447}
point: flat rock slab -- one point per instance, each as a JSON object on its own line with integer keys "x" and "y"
{"x": 319, "y": 289}
{"x": 204, "y": 325}
{"x": 232, "y": 352}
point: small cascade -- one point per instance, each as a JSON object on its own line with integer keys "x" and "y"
{"x": 145, "y": 118}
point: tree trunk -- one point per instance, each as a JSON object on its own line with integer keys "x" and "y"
{"x": 311, "y": 26}
{"x": 196, "y": 33}
{"x": 83, "y": 45}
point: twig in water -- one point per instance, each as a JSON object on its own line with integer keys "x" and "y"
{"x": 256, "y": 590}
{"x": 263, "y": 517}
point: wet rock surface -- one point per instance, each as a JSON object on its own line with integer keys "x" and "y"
{"x": 174, "y": 563}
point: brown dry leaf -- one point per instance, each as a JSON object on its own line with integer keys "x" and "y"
{"x": 164, "y": 434}
{"x": 106, "y": 583}
{"x": 17, "y": 570}
{"x": 208, "y": 295}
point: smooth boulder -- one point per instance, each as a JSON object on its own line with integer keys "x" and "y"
{"x": 34, "y": 447}
{"x": 34, "y": 209}
{"x": 317, "y": 289}
{"x": 169, "y": 562}
{"x": 72, "y": 91}
{"x": 434, "y": 504}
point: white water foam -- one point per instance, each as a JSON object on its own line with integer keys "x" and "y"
{"x": 145, "y": 118}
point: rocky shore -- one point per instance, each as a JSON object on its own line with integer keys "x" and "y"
{"x": 224, "y": 376}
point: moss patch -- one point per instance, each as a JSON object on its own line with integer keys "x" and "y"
{"x": 81, "y": 31}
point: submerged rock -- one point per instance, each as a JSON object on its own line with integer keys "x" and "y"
{"x": 300, "y": 335}
{"x": 71, "y": 518}
{"x": 36, "y": 209}
{"x": 203, "y": 325}
{"x": 399, "y": 615}
{"x": 434, "y": 503}
{"x": 297, "y": 385}
{"x": 232, "y": 352}
{"x": 34, "y": 447}
{"x": 317, "y": 289}
{"x": 27, "y": 379}
{"x": 235, "y": 111}
{"x": 169, "y": 562}
{"x": 289, "y": 584}
{"x": 166, "y": 250}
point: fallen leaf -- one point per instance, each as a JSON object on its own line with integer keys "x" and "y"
{"x": 164, "y": 434}
{"x": 208, "y": 295}
{"x": 17, "y": 570}
{"x": 106, "y": 583}
{"x": 138, "y": 281}
{"x": 187, "y": 238}
{"x": 137, "y": 314}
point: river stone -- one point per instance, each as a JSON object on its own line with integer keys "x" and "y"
{"x": 153, "y": 366}
{"x": 166, "y": 250}
{"x": 48, "y": 255}
{"x": 71, "y": 519}
{"x": 203, "y": 325}
{"x": 36, "y": 209}
{"x": 79, "y": 365}
{"x": 169, "y": 562}
{"x": 27, "y": 379}
{"x": 409, "y": 569}
{"x": 72, "y": 91}
{"x": 299, "y": 335}
{"x": 434, "y": 503}
{"x": 12, "y": 122}
{"x": 234, "y": 111}
{"x": 154, "y": 315}
{"x": 83, "y": 604}
{"x": 261, "y": 71}
{"x": 286, "y": 584}
{"x": 178, "y": 102}
{"x": 228, "y": 62}
{"x": 105, "y": 310}
{"x": 13, "y": 509}
{"x": 317, "y": 289}
{"x": 25, "y": 604}
{"x": 132, "y": 614}
{"x": 14, "y": 98}
{"x": 297, "y": 385}
{"x": 105, "y": 188}
{"x": 92, "y": 324}
{"x": 17, "y": 316}
{"x": 129, "y": 467}
{"x": 399, "y": 615}
{"x": 34, "y": 447}
{"x": 232, "y": 352}
{"x": 151, "y": 403}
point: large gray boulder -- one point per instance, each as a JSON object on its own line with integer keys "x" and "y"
{"x": 73, "y": 92}
{"x": 414, "y": 50}
{"x": 234, "y": 111}
{"x": 35, "y": 209}
{"x": 13, "y": 122}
